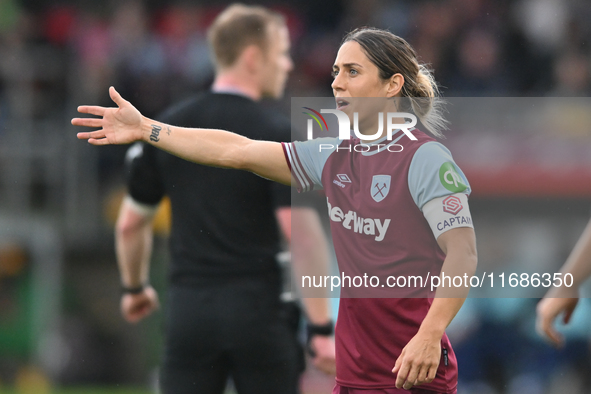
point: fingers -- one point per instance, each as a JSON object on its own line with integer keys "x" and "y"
{"x": 325, "y": 365}
{"x": 132, "y": 317}
{"x": 402, "y": 374}
{"x": 116, "y": 97}
{"x": 324, "y": 350}
{"x": 547, "y": 311}
{"x": 92, "y": 109}
{"x": 95, "y": 137}
{"x": 431, "y": 373}
{"x": 87, "y": 122}
{"x": 137, "y": 315}
{"x": 411, "y": 379}
{"x": 135, "y": 310}
{"x": 554, "y": 336}
{"x": 99, "y": 142}
{"x": 413, "y": 373}
{"x": 421, "y": 376}
{"x": 397, "y": 364}
{"x": 545, "y": 329}
{"x": 91, "y": 134}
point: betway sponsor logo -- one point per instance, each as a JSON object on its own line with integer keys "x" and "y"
{"x": 352, "y": 221}
{"x": 455, "y": 221}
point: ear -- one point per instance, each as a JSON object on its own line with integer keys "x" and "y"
{"x": 395, "y": 83}
{"x": 252, "y": 58}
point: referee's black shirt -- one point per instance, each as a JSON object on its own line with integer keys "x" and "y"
{"x": 223, "y": 221}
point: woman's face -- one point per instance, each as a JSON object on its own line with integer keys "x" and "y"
{"x": 356, "y": 77}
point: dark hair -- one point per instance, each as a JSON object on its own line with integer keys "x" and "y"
{"x": 237, "y": 27}
{"x": 393, "y": 55}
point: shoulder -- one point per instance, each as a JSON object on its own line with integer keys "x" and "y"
{"x": 433, "y": 173}
{"x": 431, "y": 151}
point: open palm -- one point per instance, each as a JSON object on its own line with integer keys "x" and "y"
{"x": 120, "y": 125}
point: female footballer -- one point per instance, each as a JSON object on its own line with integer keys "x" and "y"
{"x": 397, "y": 210}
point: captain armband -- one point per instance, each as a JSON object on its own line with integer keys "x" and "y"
{"x": 448, "y": 212}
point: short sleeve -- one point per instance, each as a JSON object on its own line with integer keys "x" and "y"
{"x": 306, "y": 160}
{"x": 433, "y": 173}
{"x": 143, "y": 178}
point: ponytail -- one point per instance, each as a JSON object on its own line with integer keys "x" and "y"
{"x": 392, "y": 54}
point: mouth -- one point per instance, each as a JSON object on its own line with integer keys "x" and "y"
{"x": 341, "y": 103}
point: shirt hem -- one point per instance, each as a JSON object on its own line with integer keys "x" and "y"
{"x": 393, "y": 386}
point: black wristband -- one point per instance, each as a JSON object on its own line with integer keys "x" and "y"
{"x": 325, "y": 330}
{"x": 312, "y": 330}
{"x": 132, "y": 290}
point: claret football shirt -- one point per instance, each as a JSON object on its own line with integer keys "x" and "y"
{"x": 388, "y": 201}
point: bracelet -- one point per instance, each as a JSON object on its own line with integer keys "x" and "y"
{"x": 132, "y": 290}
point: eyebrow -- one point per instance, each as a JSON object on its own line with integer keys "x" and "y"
{"x": 348, "y": 65}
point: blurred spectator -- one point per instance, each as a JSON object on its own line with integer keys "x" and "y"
{"x": 138, "y": 57}
{"x": 571, "y": 75}
{"x": 479, "y": 71}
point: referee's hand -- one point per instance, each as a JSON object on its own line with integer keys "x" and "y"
{"x": 135, "y": 307}
{"x": 324, "y": 353}
{"x": 120, "y": 125}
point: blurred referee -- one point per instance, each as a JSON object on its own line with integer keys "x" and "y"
{"x": 224, "y": 316}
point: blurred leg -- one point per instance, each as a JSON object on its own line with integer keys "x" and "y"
{"x": 265, "y": 353}
{"x": 194, "y": 362}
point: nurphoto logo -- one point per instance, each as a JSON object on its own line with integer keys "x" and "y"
{"x": 345, "y": 124}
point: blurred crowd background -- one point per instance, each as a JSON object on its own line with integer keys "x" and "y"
{"x": 59, "y": 288}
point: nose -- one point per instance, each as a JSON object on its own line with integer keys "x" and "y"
{"x": 338, "y": 84}
{"x": 289, "y": 64}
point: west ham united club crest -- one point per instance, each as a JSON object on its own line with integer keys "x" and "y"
{"x": 380, "y": 186}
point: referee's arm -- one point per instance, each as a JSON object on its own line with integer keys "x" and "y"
{"x": 133, "y": 242}
{"x": 309, "y": 255}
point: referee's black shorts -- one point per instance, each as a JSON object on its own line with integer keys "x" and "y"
{"x": 232, "y": 327}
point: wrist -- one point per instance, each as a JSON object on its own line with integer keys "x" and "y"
{"x": 312, "y": 330}
{"x": 145, "y": 129}
{"x": 133, "y": 289}
{"x": 431, "y": 331}
{"x": 326, "y": 329}
{"x": 563, "y": 292}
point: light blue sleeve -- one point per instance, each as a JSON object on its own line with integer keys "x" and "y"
{"x": 433, "y": 173}
{"x": 307, "y": 160}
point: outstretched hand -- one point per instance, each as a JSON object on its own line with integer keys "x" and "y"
{"x": 120, "y": 125}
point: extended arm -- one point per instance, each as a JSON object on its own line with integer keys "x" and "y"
{"x": 217, "y": 148}
{"x": 418, "y": 362}
{"x": 133, "y": 241}
{"x": 564, "y": 299}
{"x": 309, "y": 255}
